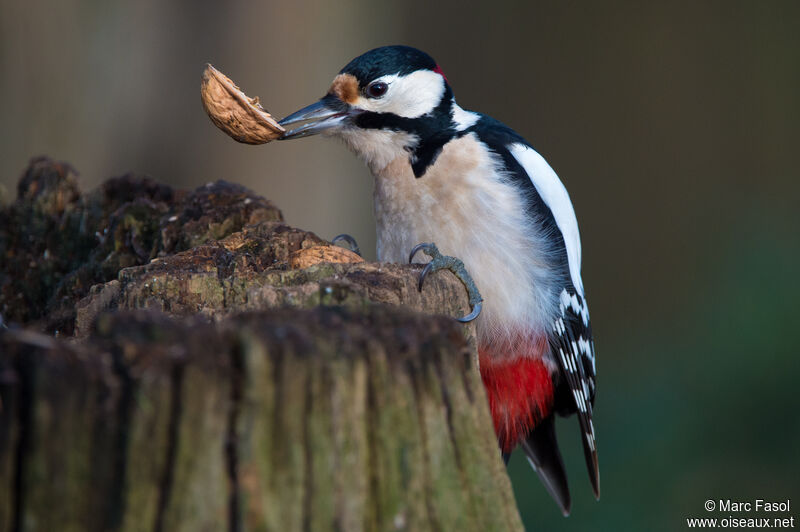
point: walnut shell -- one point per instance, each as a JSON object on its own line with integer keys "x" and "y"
{"x": 234, "y": 112}
{"x": 303, "y": 258}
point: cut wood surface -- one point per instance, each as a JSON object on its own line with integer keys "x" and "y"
{"x": 167, "y": 366}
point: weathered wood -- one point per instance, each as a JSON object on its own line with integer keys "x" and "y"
{"x": 191, "y": 396}
{"x": 278, "y": 420}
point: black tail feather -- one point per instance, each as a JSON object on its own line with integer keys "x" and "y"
{"x": 541, "y": 448}
{"x": 593, "y": 468}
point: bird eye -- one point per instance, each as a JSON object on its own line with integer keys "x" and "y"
{"x": 377, "y": 89}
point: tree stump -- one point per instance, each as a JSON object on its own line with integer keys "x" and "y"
{"x": 167, "y": 369}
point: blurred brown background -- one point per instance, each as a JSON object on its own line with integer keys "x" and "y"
{"x": 674, "y": 126}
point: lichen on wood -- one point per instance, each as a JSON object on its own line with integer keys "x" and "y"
{"x": 56, "y": 244}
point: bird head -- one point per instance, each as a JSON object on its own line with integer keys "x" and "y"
{"x": 388, "y": 101}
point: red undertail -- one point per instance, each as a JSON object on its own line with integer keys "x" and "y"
{"x": 519, "y": 387}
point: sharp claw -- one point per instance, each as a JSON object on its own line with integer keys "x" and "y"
{"x": 439, "y": 262}
{"x": 351, "y": 242}
{"x": 416, "y": 249}
{"x": 425, "y": 271}
{"x": 476, "y": 311}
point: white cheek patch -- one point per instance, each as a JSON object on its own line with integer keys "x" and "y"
{"x": 409, "y": 96}
{"x": 555, "y": 196}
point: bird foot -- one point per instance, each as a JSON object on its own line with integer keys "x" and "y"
{"x": 445, "y": 262}
{"x": 351, "y": 242}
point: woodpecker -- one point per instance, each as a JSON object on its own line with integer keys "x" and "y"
{"x": 478, "y": 190}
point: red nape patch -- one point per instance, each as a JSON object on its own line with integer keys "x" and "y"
{"x": 438, "y": 70}
{"x": 520, "y": 390}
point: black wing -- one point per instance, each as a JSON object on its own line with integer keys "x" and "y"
{"x": 571, "y": 341}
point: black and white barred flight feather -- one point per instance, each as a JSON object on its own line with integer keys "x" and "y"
{"x": 574, "y": 347}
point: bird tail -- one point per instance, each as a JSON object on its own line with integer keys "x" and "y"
{"x": 541, "y": 448}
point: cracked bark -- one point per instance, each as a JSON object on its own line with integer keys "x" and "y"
{"x": 201, "y": 379}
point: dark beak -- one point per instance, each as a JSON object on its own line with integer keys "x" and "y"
{"x": 321, "y": 116}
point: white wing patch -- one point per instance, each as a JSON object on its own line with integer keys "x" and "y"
{"x": 555, "y": 196}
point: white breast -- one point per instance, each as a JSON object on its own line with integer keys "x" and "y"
{"x": 474, "y": 212}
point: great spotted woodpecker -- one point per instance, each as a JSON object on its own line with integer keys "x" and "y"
{"x": 476, "y": 188}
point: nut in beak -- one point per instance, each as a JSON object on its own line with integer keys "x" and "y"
{"x": 234, "y": 112}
